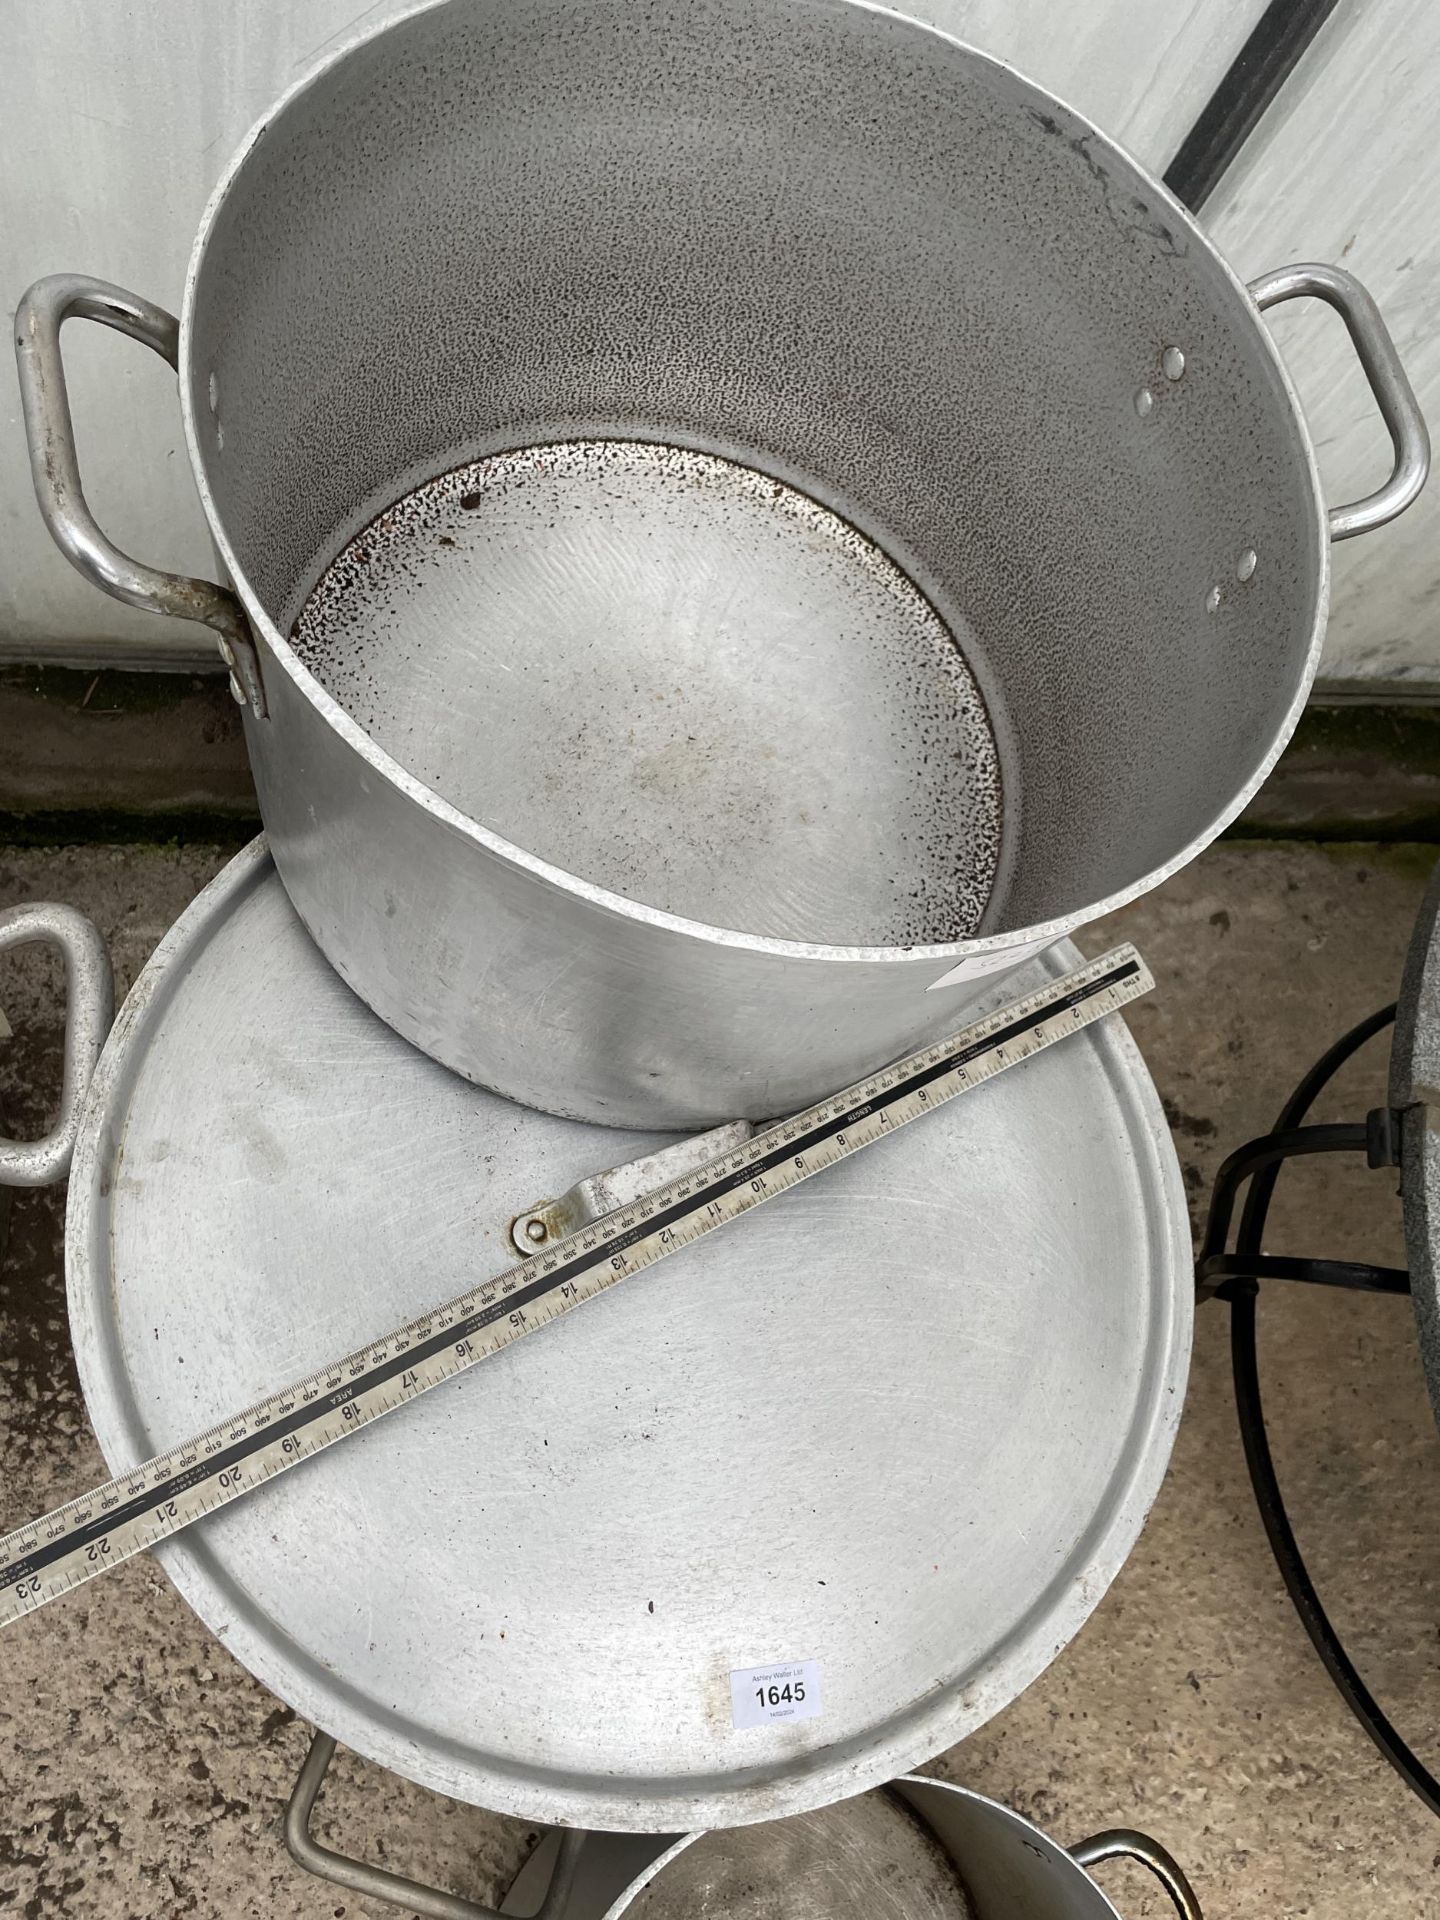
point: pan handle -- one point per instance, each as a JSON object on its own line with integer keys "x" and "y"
{"x": 50, "y": 432}
{"x": 90, "y": 1003}
{"x": 1124, "y": 1843}
{"x": 1393, "y": 393}
{"x": 379, "y": 1883}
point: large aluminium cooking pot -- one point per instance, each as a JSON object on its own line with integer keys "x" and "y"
{"x": 744, "y": 519}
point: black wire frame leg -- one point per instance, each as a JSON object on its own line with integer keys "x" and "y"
{"x": 1234, "y": 1278}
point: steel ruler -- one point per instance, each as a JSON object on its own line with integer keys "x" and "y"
{"x": 140, "y": 1508}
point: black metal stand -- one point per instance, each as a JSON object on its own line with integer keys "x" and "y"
{"x": 1235, "y": 1277}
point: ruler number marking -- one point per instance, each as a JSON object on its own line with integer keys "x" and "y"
{"x": 158, "y": 1498}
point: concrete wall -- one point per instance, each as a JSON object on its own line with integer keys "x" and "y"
{"x": 116, "y": 117}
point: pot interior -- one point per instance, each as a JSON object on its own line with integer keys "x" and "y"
{"x": 679, "y": 678}
{"x": 869, "y": 1858}
{"x": 917, "y": 1850}
{"x": 842, "y": 562}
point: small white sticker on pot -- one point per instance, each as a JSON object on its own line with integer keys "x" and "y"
{"x": 980, "y": 964}
{"x": 787, "y": 1690}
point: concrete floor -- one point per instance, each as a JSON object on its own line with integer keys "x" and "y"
{"x": 142, "y": 1772}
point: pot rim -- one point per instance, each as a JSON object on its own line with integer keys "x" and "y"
{"x": 992, "y": 947}
{"x": 1044, "y": 1842}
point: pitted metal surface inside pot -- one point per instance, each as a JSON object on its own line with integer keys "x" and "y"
{"x": 869, "y": 1858}
{"x": 678, "y": 678}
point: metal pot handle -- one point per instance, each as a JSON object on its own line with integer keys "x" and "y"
{"x": 378, "y": 1883}
{"x": 56, "y": 470}
{"x": 1124, "y": 1843}
{"x": 1393, "y": 393}
{"x": 90, "y": 1003}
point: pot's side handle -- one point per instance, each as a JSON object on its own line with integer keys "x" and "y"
{"x": 1124, "y": 1843}
{"x": 379, "y": 1883}
{"x": 1394, "y": 395}
{"x": 89, "y": 1005}
{"x": 51, "y": 435}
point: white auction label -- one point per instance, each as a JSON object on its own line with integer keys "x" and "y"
{"x": 788, "y": 1690}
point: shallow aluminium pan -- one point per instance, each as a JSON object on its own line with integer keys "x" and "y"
{"x": 905, "y": 1425}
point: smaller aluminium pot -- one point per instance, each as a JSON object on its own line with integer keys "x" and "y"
{"x": 963, "y": 1858}
{"x": 918, "y": 1849}
{"x": 742, "y": 521}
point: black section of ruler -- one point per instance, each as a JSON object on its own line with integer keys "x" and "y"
{"x": 227, "y": 1458}
{"x": 1233, "y": 111}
